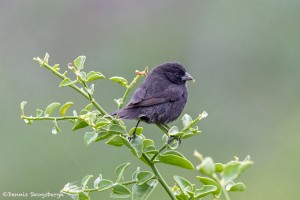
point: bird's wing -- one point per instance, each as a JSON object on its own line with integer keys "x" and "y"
{"x": 150, "y": 96}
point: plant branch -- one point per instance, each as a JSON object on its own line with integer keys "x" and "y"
{"x": 159, "y": 176}
{"x": 203, "y": 115}
{"x": 220, "y": 182}
{"x": 161, "y": 149}
{"x": 87, "y": 96}
{"x": 128, "y": 90}
{"x": 50, "y": 118}
{"x": 163, "y": 128}
{"x": 99, "y": 190}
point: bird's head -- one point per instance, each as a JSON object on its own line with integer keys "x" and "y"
{"x": 174, "y": 72}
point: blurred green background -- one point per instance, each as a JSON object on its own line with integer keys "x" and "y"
{"x": 243, "y": 54}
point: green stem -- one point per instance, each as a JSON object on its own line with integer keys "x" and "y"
{"x": 97, "y": 190}
{"x": 159, "y": 151}
{"x": 86, "y": 87}
{"x": 161, "y": 127}
{"x": 128, "y": 90}
{"x": 49, "y": 118}
{"x": 159, "y": 176}
{"x": 87, "y": 96}
{"x": 225, "y": 193}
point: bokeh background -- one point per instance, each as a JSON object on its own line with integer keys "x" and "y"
{"x": 243, "y": 54}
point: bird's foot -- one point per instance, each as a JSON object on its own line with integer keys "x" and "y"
{"x": 171, "y": 138}
{"x": 132, "y": 137}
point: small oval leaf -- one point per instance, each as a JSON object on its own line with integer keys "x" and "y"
{"x": 209, "y": 181}
{"x": 144, "y": 176}
{"x": 142, "y": 192}
{"x": 79, "y": 62}
{"x": 119, "y": 80}
{"x": 64, "y": 108}
{"x": 205, "y": 190}
{"x": 67, "y": 82}
{"x": 85, "y": 180}
{"x": 50, "y": 108}
{"x": 120, "y": 171}
{"x": 175, "y": 158}
{"x": 23, "y": 103}
{"x": 236, "y": 187}
{"x": 80, "y": 124}
{"x": 116, "y": 140}
{"x": 91, "y": 76}
{"x": 89, "y": 137}
{"x": 120, "y": 191}
{"x": 39, "y": 112}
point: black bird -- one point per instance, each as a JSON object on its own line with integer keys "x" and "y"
{"x": 161, "y": 97}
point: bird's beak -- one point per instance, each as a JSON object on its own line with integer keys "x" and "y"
{"x": 187, "y": 77}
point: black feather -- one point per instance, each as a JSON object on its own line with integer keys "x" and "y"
{"x": 162, "y": 96}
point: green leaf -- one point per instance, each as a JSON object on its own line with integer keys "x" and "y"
{"x": 135, "y": 173}
{"x": 116, "y": 129}
{"x": 80, "y": 124}
{"x": 175, "y": 158}
{"x": 50, "y": 108}
{"x": 138, "y": 131}
{"x": 209, "y": 181}
{"x": 83, "y": 196}
{"x": 23, "y": 103}
{"x": 235, "y": 187}
{"x": 120, "y": 171}
{"x": 191, "y": 132}
{"x": 116, "y": 140}
{"x": 207, "y": 166}
{"x": 186, "y": 120}
{"x": 64, "y": 108}
{"x": 91, "y": 76}
{"x": 174, "y": 131}
{"x": 46, "y": 59}
{"x": 231, "y": 171}
{"x": 67, "y": 82}
{"x": 102, "y": 135}
{"x": 219, "y": 167}
{"x": 101, "y": 122}
{"x": 102, "y": 184}
{"x": 174, "y": 144}
{"x": 185, "y": 186}
{"x": 234, "y": 169}
{"x": 105, "y": 184}
{"x": 39, "y": 112}
{"x": 55, "y": 128}
{"x": 85, "y": 180}
{"x": 91, "y": 89}
{"x": 89, "y": 137}
{"x": 165, "y": 139}
{"x": 135, "y": 146}
{"x": 120, "y": 80}
{"x": 148, "y": 147}
{"x": 144, "y": 176}
{"x": 82, "y": 76}
{"x": 142, "y": 192}
{"x": 120, "y": 191}
{"x": 88, "y": 107}
{"x": 205, "y": 190}
{"x": 79, "y": 62}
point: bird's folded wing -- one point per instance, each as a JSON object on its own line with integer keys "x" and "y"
{"x": 142, "y": 98}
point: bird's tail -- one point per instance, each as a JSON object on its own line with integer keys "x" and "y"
{"x": 126, "y": 113}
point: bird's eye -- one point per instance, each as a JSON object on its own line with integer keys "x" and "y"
{"x": 177, "y": 74}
